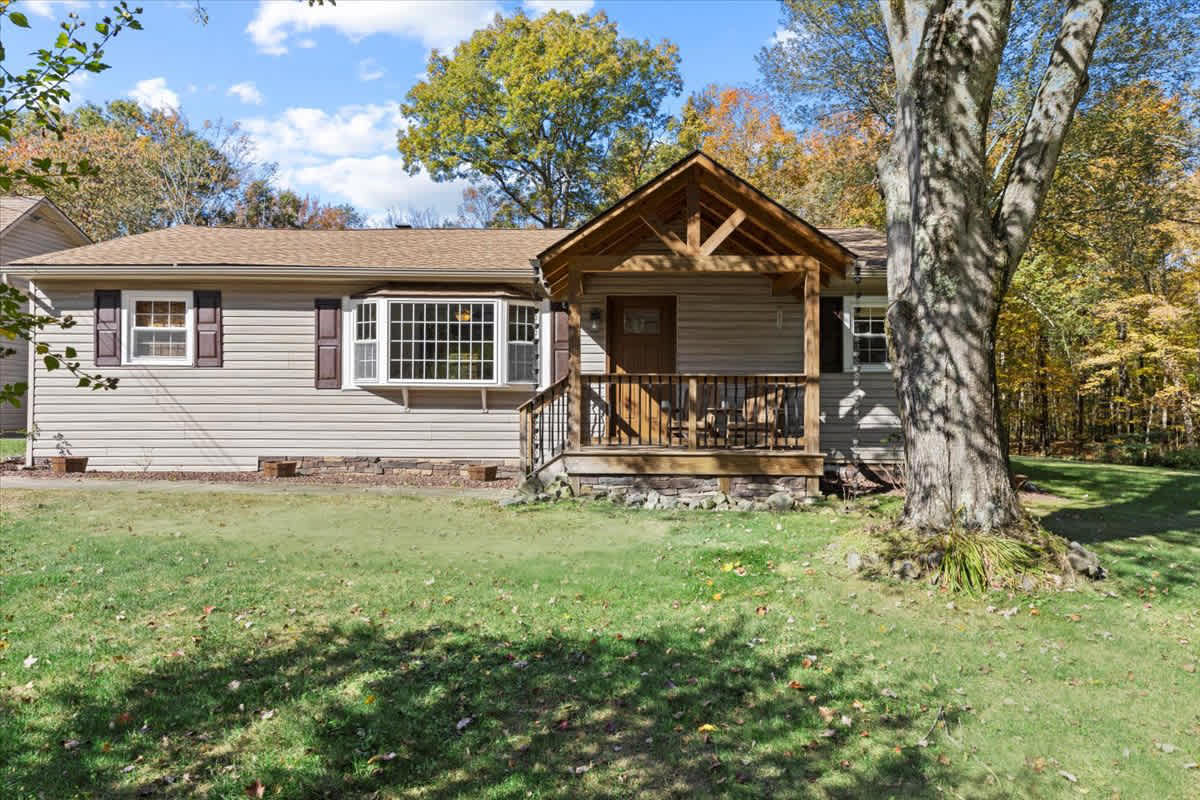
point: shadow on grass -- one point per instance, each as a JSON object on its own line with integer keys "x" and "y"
{"x": 1149, "y": 519}
{"x": 555, "y": 716}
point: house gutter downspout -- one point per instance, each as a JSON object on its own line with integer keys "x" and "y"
{"x": 31, "y": 364}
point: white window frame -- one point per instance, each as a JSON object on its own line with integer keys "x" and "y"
{"x": 129, "y": 300}
{"x": 535, "y": 344}
{"x": 383, "y": 316}
{"x": 848, "y": 304}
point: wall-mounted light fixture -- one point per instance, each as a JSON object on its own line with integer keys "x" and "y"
{"x": 594, "y": 319}
{"x": 779, "y": 319}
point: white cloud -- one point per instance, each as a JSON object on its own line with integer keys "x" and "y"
{"x": 154, "y": 94}
{"x": 539, "y": 7}
{"x": 247, "y": 92}
{"x": 348, "y": 154}
{"x": 781, "y": 36}
{"x": 301, "y": 136}
{"x": 436, "y": 23}
{"x": 45, "y": 8}
{"x": 307, "y": 44}
{"x": 369, "y": 70}
{"x": 376, "y": 184}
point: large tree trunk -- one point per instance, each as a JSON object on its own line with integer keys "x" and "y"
{"x": 950, "y": 257}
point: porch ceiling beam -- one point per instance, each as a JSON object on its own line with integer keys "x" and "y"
{"x": 666, "y": 235}
{"x": 693, "y": 212}
{"x": 779, "y": 221}
{"x": 665, "y": 263}
{"x": 743, "y": 231}
{"x": 722, "y": 233}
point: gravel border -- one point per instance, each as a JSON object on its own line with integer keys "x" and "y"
{"x": 438, "y": 480}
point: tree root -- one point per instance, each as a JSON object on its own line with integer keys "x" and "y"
{"x": 1024, "y": 557}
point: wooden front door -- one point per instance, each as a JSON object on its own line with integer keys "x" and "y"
{"x": 641, "y": 341}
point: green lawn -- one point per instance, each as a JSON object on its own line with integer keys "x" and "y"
{"x": 10, "y": 446}
{"x": 361, "y": 645}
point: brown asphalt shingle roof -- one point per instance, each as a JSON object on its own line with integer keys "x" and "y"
{"x": 461, "y": 248}
{"x": 431, "y": 248}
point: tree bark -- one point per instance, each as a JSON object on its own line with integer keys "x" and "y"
{"x": 950, "y": 258}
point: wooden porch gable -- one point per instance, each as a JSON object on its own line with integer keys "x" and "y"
{"x": 697, "y": 217}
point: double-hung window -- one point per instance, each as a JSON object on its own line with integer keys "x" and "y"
{"x": 451, "y": 342}
{"x": 366, "y": 342}
{"x": 522, "y": 343}
{"x": 159, "y": 327}
{"x": 865, "y": 333}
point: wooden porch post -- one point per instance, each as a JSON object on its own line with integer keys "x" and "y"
{"x": 575, "y": 409}
{"x": 812, "y": 369}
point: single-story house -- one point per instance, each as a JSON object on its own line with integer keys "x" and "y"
{"x": 695, "y": 333}
{"x": 29, "y": 226}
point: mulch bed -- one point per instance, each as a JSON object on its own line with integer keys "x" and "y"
{"x": 15, "y": 467}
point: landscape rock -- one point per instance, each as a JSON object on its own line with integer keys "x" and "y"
{"x": 635, "y": 499}
{"x": 707, "y": 502}
{"x": 653, "y": 500}
{"x": 780, "y": 501}
{"x": 529, "y": 486}
{"x": 759, "y": 505}
{"x": 516, "y": 500}
{"x": 617, "y": 495}
{"x": 1085, "y": 562}
{"x": 853, "y": 562}
{"x": 667, "y": 502}
{"x": 906, "y": 569}
{"x": 743, "y": 505}
{"x": 1027, "y": 583}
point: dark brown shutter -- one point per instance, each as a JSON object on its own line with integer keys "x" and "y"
{"x": 560, "y": 353}
{"x": 831, "y": 334}
{"x": 207, "y": 307}
{"x": 108, "y": 328}
{"x": 329, "y": 343}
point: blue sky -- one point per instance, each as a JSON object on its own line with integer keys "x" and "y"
{"x": 317, "y": 89}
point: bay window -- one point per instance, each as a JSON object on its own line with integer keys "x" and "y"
{"x": 451, "y": 342}
{"x": 366, "y": 345}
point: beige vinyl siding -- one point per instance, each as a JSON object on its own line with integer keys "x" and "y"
{"x": 260, "y": 403}
{"x": 724, "y": 323}
{"x": 23, "y": 239}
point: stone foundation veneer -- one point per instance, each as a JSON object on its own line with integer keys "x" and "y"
{"x": 376, "y": 465}
{"x": 747, "y": 487}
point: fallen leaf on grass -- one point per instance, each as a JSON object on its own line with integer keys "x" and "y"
{"x": 1166, "y": 748}
{"x": 1068, "y": 776}
{"x": 706, "y": 728}
{"x": 761, "y": 611}
{"x": 369, "y": 699}
{"x": 827, "y": 714}
{"x": 1189, "y": 668}
{"x": 464, "y": 722}
{"x": 30, "y": 661}
{"x": 795, "y": 685}
{"x": 381, "y": 757}
{"x": 255, "y": 789}
{"x": 70, "y": 744}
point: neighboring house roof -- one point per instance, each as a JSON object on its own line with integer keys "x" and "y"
{"x": 868, "y": 244}
{"x": 16, "y": 207}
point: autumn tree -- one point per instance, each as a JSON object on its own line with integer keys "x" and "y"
{"x": 532, "y": 106}
{"x": 978, "y": 98}
{"x": 262, "y": 205}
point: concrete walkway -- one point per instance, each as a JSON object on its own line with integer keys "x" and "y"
{"x": 9, "y": 481}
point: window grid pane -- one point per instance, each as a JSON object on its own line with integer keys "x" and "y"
{"x": 159, "y": 329}
{"x": 522, "y": 347}
{"x": 442, "y": 341}
{"x": 870, "y": 334}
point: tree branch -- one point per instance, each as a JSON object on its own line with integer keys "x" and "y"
{"x": 1049, "y": 118}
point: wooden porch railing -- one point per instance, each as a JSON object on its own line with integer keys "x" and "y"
{"x": 694, "y": 412}
{"x": 670, "y": 412}
{"x": 544, "y": 426}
